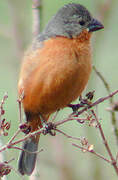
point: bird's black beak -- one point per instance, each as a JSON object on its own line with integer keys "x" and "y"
{"x": 95, "y": 25}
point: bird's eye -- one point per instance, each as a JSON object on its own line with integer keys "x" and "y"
{"x": 82, "y": 23}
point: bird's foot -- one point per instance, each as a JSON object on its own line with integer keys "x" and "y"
{"x": 25, "y": 128}
{"x": 75, "y": 107}
{"x": 83, "y": 102}
{"x": 49, "y": 128}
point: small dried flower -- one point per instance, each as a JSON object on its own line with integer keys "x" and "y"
{"x": 25, "y": 128}
{"x": 21, "y": 97}
{"x": 4, "y": 126}
{"x": 4, "y": 169}
{"x": 84, "y": 150}
{"x": 86, "y": 146}
{"x": 90, "y": 147}
{"x": 93, "y": 123}
{"x": 90, "y": 95}
{"x": 8, "y": 125}
{"x": 2, "y": 111}
{"x": 89, "y": 117}
{"x": 5, "y": 133}
{"x": 84, "y": 141}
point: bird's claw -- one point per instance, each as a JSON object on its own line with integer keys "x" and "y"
{"x": 48, "y": 127}
{"x": 83, "y": 102}
{"x": 25, "y": 128}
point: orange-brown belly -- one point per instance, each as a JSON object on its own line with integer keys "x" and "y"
{"x": 55, "y": 88}
{"x": 59, "y": 78}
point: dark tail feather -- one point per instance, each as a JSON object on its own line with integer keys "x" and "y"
{"x": 27, "y": 160}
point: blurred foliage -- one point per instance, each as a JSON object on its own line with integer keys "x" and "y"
{"x": 60, "y": 160}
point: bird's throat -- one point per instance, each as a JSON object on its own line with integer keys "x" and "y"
{"x": 83, "y": 36}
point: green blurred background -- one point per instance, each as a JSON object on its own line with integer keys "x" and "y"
{"x": 60, "y": 160}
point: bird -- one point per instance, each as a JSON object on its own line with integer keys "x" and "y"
{"x": 55, "y": 71}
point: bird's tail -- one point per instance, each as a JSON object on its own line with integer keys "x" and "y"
{"x": 27, "y": 158}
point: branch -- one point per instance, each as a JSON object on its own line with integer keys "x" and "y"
{"x": 93, "y": 152}
{"x": 56, "y": 124}
{"x": 53, "y": 126}
{"x": 113, "y": 160}
{"x": 100, "y": 100}
{"x": 85, "y": 142}
{"x": 68, "y": 136}
{"x": 113, "y": 116}
{"x": 36, "y": 8}
{"x": 36, "y": 11}
{"x": 11, "y": 143}
{"x": 16, "y": 29}
{"x": 103, "y": 80}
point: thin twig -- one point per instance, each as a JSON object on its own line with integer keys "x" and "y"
{"x": 14, "y": 136}
{"x": 36, "y": 11}
{"x": 116, "y": 157}
{"x": 16, "y": 29}
{"x": 113, "y": 160}
{"x": 20, "y": 99}
{"x": 36, "y": 16}
{"x": 9, "y": 145}
{"x": 100, "y": 100}
{"x": 55, "y": 115}
{"x": 2, "y": 112}
{"x": 113, "y": 116}
{"x": 2, "y": 108}
{"x": 30, "y": 152}
{"x": 93, "y": 152}
{"x": 16, "y": 172}
{"x": 71, "y": 116}
{"x": 68, "y": 136}
{"x": 20, "y": 113}
{"x": 103, "y": 80}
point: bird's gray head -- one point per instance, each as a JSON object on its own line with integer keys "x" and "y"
{"x": 69, "y": 22}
